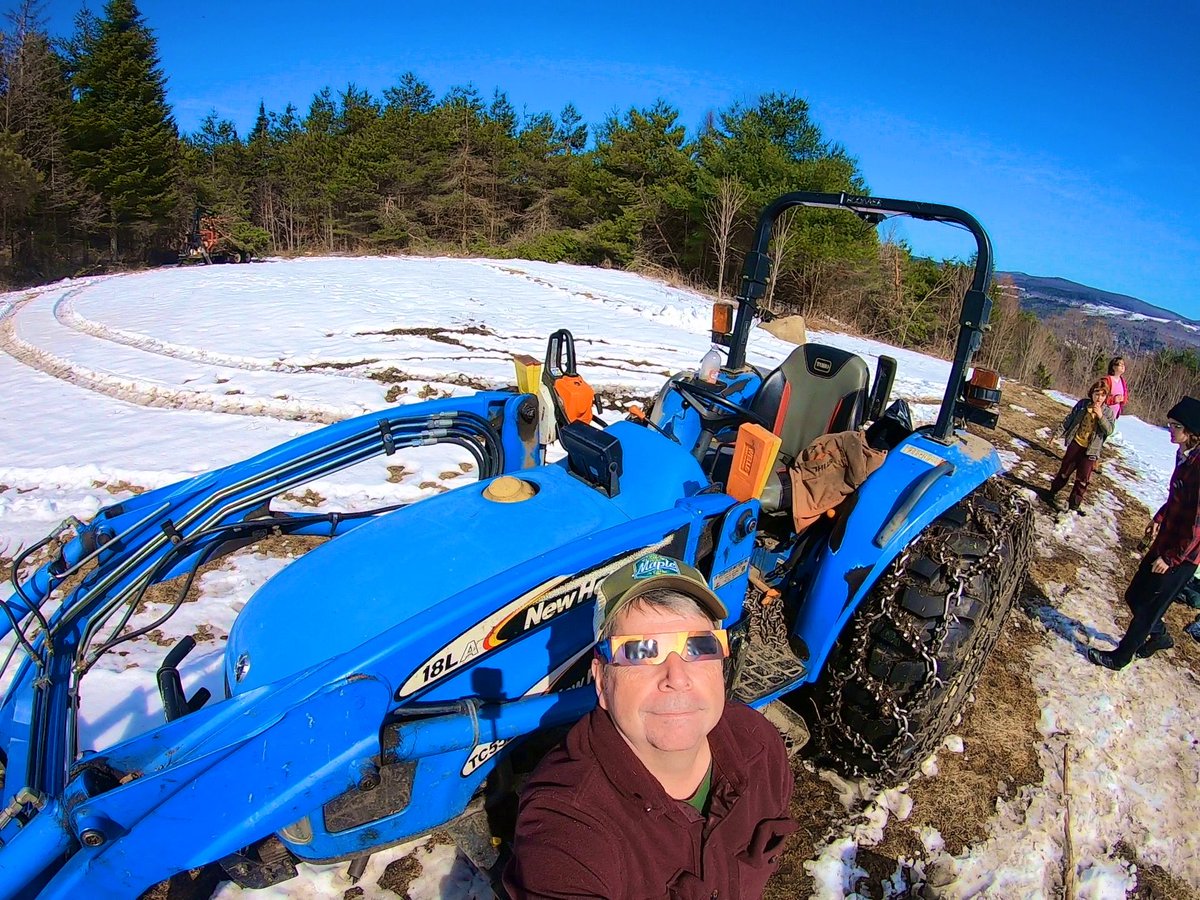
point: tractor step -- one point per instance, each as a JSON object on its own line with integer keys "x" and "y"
{"x": 791, "y": 725}
{"x": 472, "y": 835}
{"x": 766, "y": 668}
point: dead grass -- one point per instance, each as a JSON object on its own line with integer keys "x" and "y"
{"x": 1154, "y": 882}
{"x": 165, "y": 592}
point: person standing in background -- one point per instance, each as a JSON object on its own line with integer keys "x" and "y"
{"x": 1114, "y": 382}
{"x": 1170, "y": 562}
{"x": 1085, "y": 428}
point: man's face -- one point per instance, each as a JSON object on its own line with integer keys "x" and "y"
{"x": 666, "y": 708}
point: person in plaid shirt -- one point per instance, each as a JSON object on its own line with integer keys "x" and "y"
{"x": 1174, "y": 537}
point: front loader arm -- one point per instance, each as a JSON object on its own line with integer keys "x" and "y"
{"x": 224, "y": 778}
{"x": 165, "y": 532}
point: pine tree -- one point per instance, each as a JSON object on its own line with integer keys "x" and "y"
{"x": 572, "y": 132}
{"x": 646, "y": 174}
{"x": 35, "y": 102}
{"x": 125, "y": 140}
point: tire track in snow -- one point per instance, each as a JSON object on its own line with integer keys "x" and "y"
{"x": 144, "y": 393}
{"x": 67, "y": 316}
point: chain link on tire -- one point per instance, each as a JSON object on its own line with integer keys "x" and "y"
{"x": 900, "y": 672}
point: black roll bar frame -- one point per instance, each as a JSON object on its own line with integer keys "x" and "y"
{"x": 976, "y": 305}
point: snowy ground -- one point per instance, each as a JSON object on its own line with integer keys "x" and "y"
{"x": 118, "y": 384}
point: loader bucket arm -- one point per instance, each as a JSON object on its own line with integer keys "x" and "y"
{"x": 165, "y": 532}
{"x": 976, "y": 306}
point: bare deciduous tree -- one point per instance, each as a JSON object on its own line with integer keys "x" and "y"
{"x": 781, "y": 240}
{"x": 720, "y": 213}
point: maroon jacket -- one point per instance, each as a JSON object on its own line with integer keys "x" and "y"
{"x": 594, "y": 822}
{"x": 1178, "y": 539}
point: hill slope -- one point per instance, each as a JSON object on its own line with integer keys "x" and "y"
{"x": 1137, "y": 325}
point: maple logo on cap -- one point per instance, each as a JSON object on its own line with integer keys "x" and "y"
{"x": 652, "y": 565}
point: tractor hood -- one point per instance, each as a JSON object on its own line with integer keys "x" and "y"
{"x": 449, "y": 562}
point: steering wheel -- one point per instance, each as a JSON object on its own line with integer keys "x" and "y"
{"x": 713, "y": 407}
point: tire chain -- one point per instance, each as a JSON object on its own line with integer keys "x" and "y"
{"x": 1011, "y": 521}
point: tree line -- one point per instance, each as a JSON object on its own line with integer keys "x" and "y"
{"x": 95, "y": 173}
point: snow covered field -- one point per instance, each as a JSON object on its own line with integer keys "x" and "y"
{"x": 121, "y": 383}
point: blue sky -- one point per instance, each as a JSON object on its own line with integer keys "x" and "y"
{"x": 1068, "y": 129}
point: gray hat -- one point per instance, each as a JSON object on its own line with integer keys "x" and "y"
{"x": 1187, "y": 413}
{"x": 652, "y": 572}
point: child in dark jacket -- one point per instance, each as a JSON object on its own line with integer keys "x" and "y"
{"x": 1086, "y": 428}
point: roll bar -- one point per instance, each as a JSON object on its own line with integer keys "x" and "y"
{"x": 976, "y": 305}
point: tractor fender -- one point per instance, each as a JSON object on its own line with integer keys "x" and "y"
{"x": 919, "y": 480}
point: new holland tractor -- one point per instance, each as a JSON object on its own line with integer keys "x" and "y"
{"x": 406, "y": 672}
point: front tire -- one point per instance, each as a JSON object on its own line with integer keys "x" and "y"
{"x": 900, "y": 672}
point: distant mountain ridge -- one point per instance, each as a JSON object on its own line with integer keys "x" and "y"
{"x": 1136, "y": 324}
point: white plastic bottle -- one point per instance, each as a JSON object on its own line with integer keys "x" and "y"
{"x": 710, "y": 366}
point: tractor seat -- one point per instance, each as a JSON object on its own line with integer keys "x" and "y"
{"x": 817, "y": 390}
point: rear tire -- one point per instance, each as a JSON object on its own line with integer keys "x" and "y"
{"x": 899, "y": 674}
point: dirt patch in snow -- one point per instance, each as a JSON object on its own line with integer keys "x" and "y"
{"x": 1154, "y": 882}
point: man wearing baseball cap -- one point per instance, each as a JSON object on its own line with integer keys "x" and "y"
{"x": 665, "y": 789}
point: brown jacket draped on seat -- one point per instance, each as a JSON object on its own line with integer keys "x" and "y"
{"x": 827, "y": 471}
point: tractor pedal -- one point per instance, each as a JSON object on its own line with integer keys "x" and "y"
{"x": 260, "y": 865}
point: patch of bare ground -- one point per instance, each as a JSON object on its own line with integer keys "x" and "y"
{"x": 308, "y": 498}
{"x": 339, "y": 366}
{"x": 393, "y": 376}
{"x": 119, "y": 487}
{"x": 402, "y": 872}
{"x": 396, "y": 474}
{"x": 1154, "y": 882}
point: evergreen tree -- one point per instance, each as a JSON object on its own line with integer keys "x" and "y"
{"x": 571, "y": 132}
{"x": 646, "y": 174}
{"x": 34, "y": 107}
{"x": 125, "y": 140}
{"x": 772, "y": 147}
{"x": 412, "y": 94}
{"x": 214, "y": 169}
{"x": 19, "y": 184}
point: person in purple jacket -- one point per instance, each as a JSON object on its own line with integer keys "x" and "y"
{"x": 665, "y": 789}
{"x": 1174, "y": 551}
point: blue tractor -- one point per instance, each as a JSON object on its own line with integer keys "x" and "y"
{"x": 406, "y": 672}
